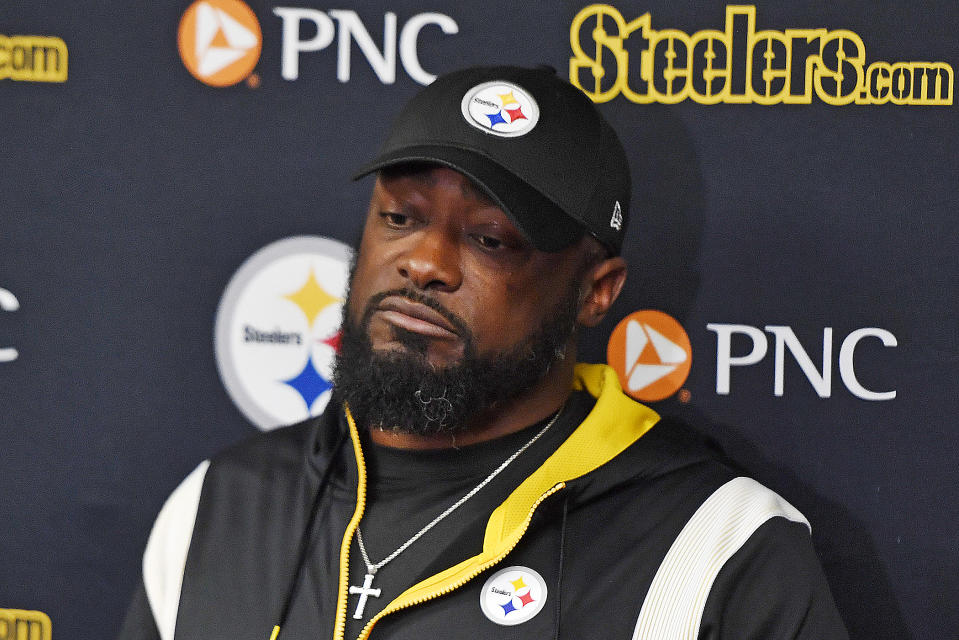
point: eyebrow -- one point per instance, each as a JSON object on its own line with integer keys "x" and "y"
{"x": 467, "y": 188}
{"x": 470, "y": 190}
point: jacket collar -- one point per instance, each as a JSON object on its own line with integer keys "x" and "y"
{"x": 615, "y": 423}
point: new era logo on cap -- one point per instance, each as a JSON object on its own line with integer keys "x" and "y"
{"x": 616, "y": 222}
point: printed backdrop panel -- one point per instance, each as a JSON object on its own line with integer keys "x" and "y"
{"x": 178, "y": 211}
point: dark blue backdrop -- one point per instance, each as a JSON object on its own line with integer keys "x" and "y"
{"x": 132, "y": 192}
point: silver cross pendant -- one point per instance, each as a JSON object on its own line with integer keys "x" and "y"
{"x": 365, "y": 592}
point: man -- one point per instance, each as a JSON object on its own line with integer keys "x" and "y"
{"x": 469, "y": 479}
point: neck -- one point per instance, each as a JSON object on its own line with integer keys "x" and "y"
{"x": 538, "y": 403}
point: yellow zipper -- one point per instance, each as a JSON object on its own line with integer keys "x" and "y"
{"x": 365, "y": 633}
{"x": 615, "y": 423}
{"x": 339, "y": 629}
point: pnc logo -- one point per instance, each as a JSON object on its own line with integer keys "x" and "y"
{"x": 651, "y": 353}
{"x": 219, "y": 41}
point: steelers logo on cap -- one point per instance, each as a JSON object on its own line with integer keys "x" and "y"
{"x": 500, "y": 108}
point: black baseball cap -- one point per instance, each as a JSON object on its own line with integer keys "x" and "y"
{"x": 535, "y": 143}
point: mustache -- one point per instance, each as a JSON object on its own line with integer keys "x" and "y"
{"x": 414, "y": 296}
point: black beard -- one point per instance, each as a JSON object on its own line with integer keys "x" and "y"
{"x": 401, "y": 391}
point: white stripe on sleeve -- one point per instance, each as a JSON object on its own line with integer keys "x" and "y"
{"x": 165, "y": 557}
{"x": 673, "y": 608}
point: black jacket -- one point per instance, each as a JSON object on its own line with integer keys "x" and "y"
{"x": 634, "y": 528}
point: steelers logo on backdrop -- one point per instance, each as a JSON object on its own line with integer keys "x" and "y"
{"x": 651, "y": 353}
{"x": 500, "y": 108}
{"x": 277, "y": 329}
{"x": 219, "y": 41}
{"x": 513, "y": 595}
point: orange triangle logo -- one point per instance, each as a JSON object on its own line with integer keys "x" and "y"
{"x": 219, "y": 40}
{"x": 651, "y": 353}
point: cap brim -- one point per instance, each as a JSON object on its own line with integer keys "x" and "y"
{"x": 545, "y": 225}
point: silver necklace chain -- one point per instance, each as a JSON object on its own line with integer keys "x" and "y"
{"x": 372, "y": 568}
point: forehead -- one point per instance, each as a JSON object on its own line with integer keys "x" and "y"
{"x": 425, "y": 174}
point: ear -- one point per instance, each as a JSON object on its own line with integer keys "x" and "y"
{"x": 602, "y": 285}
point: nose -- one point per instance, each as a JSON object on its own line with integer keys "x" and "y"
{"x": 432, "y": 261}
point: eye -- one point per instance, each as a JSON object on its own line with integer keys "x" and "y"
{"x": 488, "y": 242}
{"x": 395, "y": 220}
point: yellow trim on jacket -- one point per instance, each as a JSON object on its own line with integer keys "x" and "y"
{"x": 614, "y": 424}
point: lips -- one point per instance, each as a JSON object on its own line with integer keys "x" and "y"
{"x": 415, "y": 317}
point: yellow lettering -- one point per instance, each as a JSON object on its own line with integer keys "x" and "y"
{"x": 640, "y": 94}
{"x": 16, "y": 624}
{"x": 4, "y": 57}
{"x": 33, "y": 58}
{"x": 737, "y": 65}
{"x": 921, "y": 83}
{"x": 602, "y": 41}
{"x": 710, "y": 70}
{"x": 839, "y": 73}
{"x": 670, "y": 54}
{"x": 770, "y": 50}
{"x": 740, "y": 30}
{"x": 878, "y": 83}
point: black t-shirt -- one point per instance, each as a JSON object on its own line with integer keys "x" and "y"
{"x": 406, "y": 489}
